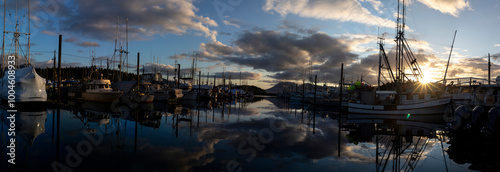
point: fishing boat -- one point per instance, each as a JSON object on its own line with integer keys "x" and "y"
{"x": 100, "y": 91}
{"x": 129, "y": 89}
{"x": 160, "y": 88}
{"x": 28, "y": 86}
{"x": 404, "y": 96}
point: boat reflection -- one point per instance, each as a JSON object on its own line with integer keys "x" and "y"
{"x": 29, "y": 128}
{"x": 29, "y": 125}
{"x": 400, "y": 143}
{"x": 478, "y": 150}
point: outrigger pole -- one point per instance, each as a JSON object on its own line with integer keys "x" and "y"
{"x": 449, "y": 57}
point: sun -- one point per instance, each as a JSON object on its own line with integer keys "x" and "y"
{"x": 426, "y": 80}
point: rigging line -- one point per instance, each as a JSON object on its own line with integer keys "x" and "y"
{"x": 43, "y": 51}
{"x": 369, "y": 70}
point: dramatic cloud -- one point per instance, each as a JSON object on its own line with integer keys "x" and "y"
{"x": 452, "y": 7}
{"x": 98, "y": 19}
{"x": 341, "y": 10}
{"x": 286, "y": 54}
{"x": 211, "y": 52}
{"x": 237, "y": 75}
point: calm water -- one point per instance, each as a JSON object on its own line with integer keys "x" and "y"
{"x": 265, "y": 135}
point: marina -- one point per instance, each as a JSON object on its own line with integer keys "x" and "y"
{"x": 295, "y": 86}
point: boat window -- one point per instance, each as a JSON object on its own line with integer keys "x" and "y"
{"x": 421, "y": 96}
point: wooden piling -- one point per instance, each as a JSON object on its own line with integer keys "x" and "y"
{"x": 59, "y": 73}
{"x": 138, "y": 62}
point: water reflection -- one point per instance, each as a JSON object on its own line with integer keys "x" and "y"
{"x": 265, "y": 135}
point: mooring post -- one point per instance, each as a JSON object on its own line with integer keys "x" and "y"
{"x": 138, "y": 60}
{"x": 54, "y": 78}
{"x": 59, "y": 73}
{"x": 314, "y": 110}
{"x": 340, "y": 105}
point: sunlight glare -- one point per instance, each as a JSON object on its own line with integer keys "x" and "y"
{"x": 426, "y": 80}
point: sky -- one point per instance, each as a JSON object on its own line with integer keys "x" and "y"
{"x": 267, "y": 41}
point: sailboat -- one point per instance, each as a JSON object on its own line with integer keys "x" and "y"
{"x": 29, "y": 86}
{"x": 408, "y": 97}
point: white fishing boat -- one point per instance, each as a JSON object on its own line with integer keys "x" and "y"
{"x": 406, "y": 97}
{"x": 100, "y": 91}
{"x": 406, "y": 107}
{"x": 28, "y": 86}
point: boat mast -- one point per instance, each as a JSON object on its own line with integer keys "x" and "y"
{"x": 449, "y": 57}
{"x": 29, "y": 33}
{"x": 404, "y": 53}
{"x": 3, "y": 39}
{"x": 399, "y": 46}
{"x": 114, "y": 53}
{"x": 120, "y": 51}
{"x": 126, "y": 34}
{"x": 379, "y": 65}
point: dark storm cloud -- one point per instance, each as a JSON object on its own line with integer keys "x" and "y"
{"x": 293, "y": 56}
{"x": 97, "y": 19}
{"x": 279, "y": 52}
{"x": 495, "y": 56}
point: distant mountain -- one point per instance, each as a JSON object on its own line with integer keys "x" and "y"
{"x": 290, "y": 86}
{"x": 251, "y": 88}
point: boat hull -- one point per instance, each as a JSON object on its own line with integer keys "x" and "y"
{"x": 147, "y": 98}
{"x": 101, "y": 96}
{"x": 437, "y": 106}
